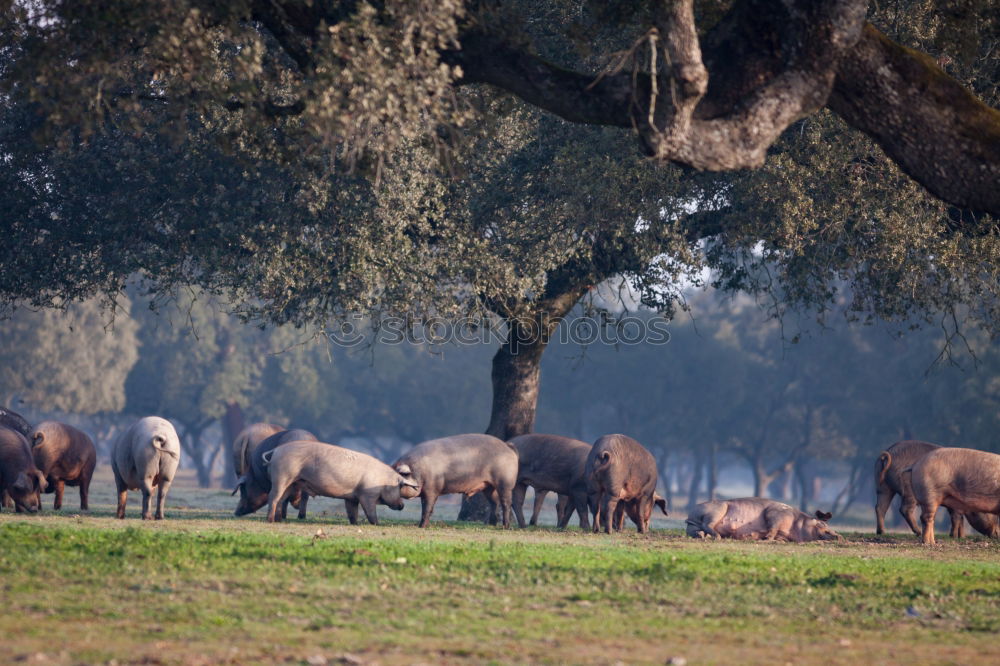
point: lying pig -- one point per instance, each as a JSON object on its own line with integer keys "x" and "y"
{"x": 890, "y": 481}
{"x": 20, "y": 480}
{"x": 254, "y": 485}
{"x": 333, "y": 471}
{"x": 551, "y": 463}
{"x": 620, "y": 469}
{"x": 463, "y": 464}
{"x": 66, "y": 456}
{"x": 248, "y": 440}
{"x": 145, "y": 457}
{"x": 757, "y": 518}
{"x": 966, "y": 480}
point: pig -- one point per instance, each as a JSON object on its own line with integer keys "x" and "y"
{"x": 145, "y": 457}
{"x": 631, "y": 508}
{"x": 966, "y": 480}
{"x": 620, "y": 469}
{"x": 333, "y": 471}
{"x": 66, "y": 456}
{"x": 758, "y": 518}
{"x": 460, "y": 464}
{"x": 254, "y": 485}
{"x": 20, "y": 479}
{"x": 890, "y": 481}
{"x": 563, "y": 505}
{"x": 11, "y": 419}
{"x": 551, "y": 463}
{"x": 14, "y": 421}
{"x": 248, "y": 440}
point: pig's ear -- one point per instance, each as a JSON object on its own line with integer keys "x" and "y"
{"x": 662, "y": 503}
{"x": 823, "y": 516}
{"x": 22, "y": 483}
{"x": 404, "y": 469}
{"x": 37, "y": 438}
{"x": 239, "y": 482}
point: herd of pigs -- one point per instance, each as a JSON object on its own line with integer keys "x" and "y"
{"x": 602, "y": 483}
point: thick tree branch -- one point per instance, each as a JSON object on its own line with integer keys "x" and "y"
{"x": 770, "y": 63}
{"x": 935, "y": 129}
{"x": 576, "y": 97}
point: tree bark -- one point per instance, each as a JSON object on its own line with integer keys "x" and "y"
{"x": 515, "y": 375}
{"x": 516, "y": 370}
{"x": 713, "y": 470}
{"x": 695, "y": 487}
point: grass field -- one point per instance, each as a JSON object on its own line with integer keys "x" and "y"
{"x": 203, "y": 587}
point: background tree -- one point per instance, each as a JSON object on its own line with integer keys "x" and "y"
{"x": 73, "y": 360}
{"x": 196, "y": 361}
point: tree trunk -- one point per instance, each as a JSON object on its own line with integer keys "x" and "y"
{"x": 713, "y": 470}
{"x": 759, "y": 479}
{"x": 515, "y": 375}
{"x": 204, "y": 469}
{"x": 233, "y": 421}
{"x": 695, "y": 486}
{"x": 191, "y": 443}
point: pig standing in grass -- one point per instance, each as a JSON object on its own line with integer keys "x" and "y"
{"x": 333, "y": 471}
{"x": 254, "y": 485}
{"x": 66, "y": 456}
{"x": 757, "y": 518}
{"x": 621, "y": 470}
{"x": 20, "y": 480}
{"x": 463, "y": 464}
{"x": 890, "y": 481}
{"x": 247, "y": 441}
{"x": 962, "y": 479}
{"x": 145, "y": 457}
{"x": 552, "y": 463}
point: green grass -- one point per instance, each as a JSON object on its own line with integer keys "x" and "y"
{"x": 202, "y": 587}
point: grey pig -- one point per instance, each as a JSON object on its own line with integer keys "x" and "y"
{"x": 463, "y": 464}
{"x": 254, "y": 486}
{"x": 552, "y": 463}
{"x": 333, "y": 471}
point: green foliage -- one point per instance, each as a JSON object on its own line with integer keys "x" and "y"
{"x": 71, "y": 360}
